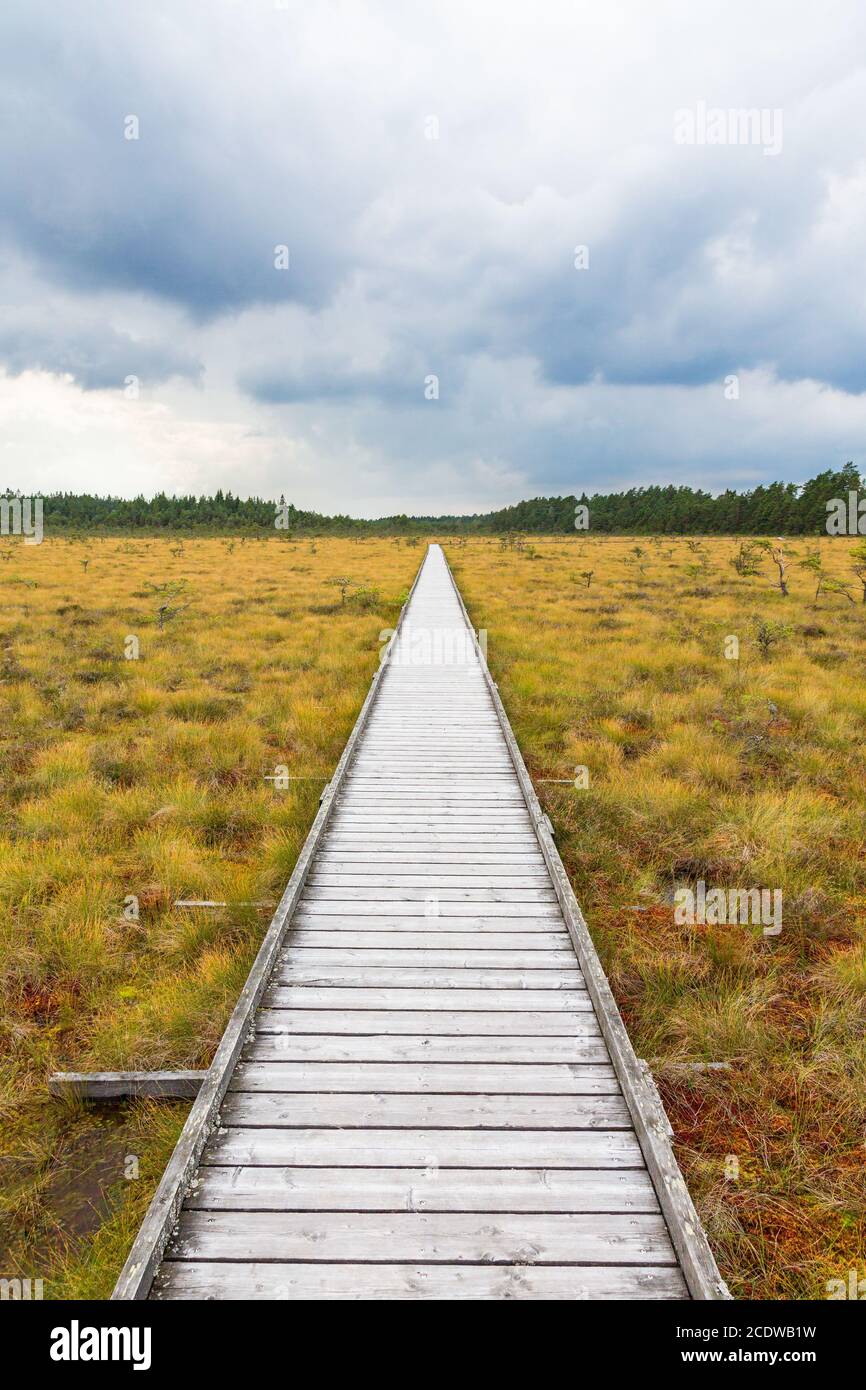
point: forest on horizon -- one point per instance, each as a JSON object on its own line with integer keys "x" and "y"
{"x": 775, "y": 508}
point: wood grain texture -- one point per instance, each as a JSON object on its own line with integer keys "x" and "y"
{"x": 557, "y": 977}
{"x": 570, "y": 998}
{"x": 406, "y": 1078}
{"x": 425, "y": 1047}
{"x": 420, "y": 1189}
{"x": 474, "y": 947}
{"x": 126, "y": 1085}
{"x": 241, "y": 1279}
{"x": 427, "y": 957}
{"x": 452, "y": 1237}
{"x": 424, "y": 1148}
{"x": 266, "y": 1110}
{"x": 442, "y": 1022}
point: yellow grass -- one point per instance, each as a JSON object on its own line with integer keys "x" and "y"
{"x": 146, "y": 778}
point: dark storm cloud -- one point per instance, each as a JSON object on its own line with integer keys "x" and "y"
{"x": 96, "y": 355}
{"x": 193, "y": 208}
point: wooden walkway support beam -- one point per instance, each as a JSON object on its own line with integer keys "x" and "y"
{"x": 426, "y": 1089}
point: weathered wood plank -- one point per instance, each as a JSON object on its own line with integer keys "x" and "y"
{"x": 381, "y": 894}
{"x": 408, "y": 1148}
{"x": 437, "y": 828}
{"x": 420, "y": 785}
{"x": 399, "y": 1282}
{"x": 316, "y": 907}
{"x": 434, "y": 1022}
{"x": 434, "y": 929}
{"x": 350, "y": 878}
{"x": 484, "y": 819}
{"x": 442, "y": 801}
{"x": 358, "y": 921}
{"x": 570, "y": 999}
{"x": 428, "y": 859}
{"x": 475, "y": 813}
{"x": 126, "y": 1085}
{"x": 485, "y": 756}
{"x": 405, "y": 1078}
{"x": 453, "y": 1237}
{"x": 396, "y": 1047}
{"x": 294, "y": 972}
{"x": 323, "y": 1110}
{"x": 419, "y": 1189}
{"x": 473, "y": 946}
{"x": 304, "y": 955}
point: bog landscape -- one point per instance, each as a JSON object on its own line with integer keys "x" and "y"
{"x": 172, "y": 708}
{"x": 433, "y": 674}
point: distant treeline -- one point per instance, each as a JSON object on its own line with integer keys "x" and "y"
{"x": 777, "y": 509}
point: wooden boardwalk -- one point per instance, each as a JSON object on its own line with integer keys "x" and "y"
{"x": 421, "y": 1093}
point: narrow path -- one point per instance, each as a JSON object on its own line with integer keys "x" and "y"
{"x": 423, "y": 1102}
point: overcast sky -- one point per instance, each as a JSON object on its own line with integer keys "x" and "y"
{"x": 432, "y": 170}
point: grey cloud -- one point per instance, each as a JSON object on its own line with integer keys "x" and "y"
{"x": 93, "y": 353}
{"x": 306, "y": 127}
{"x": 224, "y": 169}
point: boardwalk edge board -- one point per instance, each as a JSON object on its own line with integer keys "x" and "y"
{"x": 163, "y": 1213}
{"x": 644, "y": 1102}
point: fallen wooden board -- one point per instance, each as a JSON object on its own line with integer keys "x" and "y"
{"x": 126, "y": 1085}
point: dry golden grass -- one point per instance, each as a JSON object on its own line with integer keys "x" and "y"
{"x": 742, "y": 773}
{"x": 146, "y": 777}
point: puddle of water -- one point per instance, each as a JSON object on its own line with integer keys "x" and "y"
{"x": 87, "y": 1166}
